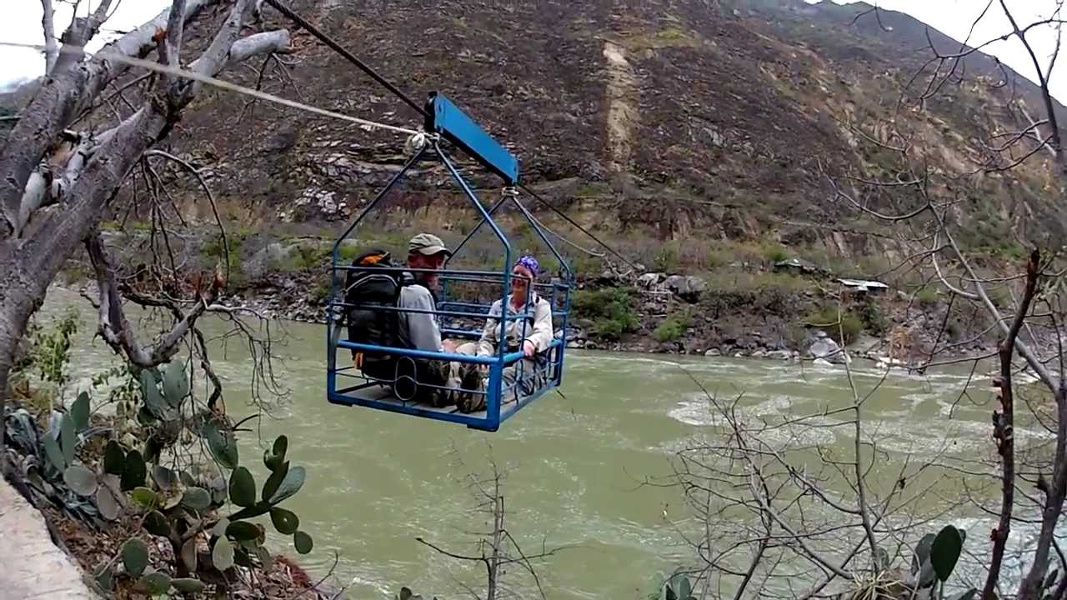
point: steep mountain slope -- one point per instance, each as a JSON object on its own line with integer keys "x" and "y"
{"x": 651, "y": 118}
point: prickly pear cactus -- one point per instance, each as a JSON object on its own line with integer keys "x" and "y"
{"x": 181, "y": 506}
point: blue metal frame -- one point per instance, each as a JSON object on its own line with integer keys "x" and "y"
{"x": 452, "y": 124}
{"x": 485, "y": 424}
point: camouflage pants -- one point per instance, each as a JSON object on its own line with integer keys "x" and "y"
{"x": 467, "y": 382}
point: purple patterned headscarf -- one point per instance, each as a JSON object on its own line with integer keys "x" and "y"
{"x": 530, "y": 263}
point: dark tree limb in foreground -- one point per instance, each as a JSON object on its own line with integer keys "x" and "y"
{"x": 1004, "y": 427}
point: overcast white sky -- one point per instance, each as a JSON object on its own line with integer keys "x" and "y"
{"x": 953, "y": 17}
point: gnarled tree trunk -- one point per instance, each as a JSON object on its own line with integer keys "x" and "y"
{"x": 42, "y": 224}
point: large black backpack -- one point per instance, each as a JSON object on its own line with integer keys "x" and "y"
{"x": 371, "y": 300}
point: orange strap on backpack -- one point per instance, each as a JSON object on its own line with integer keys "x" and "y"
{"x": 373, "y": 260}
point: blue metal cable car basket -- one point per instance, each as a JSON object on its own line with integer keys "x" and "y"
{"x": 510, "y": 381}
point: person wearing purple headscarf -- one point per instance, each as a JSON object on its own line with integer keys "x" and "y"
{"x": 531, "y": 334}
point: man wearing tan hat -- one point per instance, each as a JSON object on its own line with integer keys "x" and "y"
{"x": 420, "y": 329}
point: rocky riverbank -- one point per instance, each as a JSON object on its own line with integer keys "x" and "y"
{"x": 759, "y": 315}
{"x": 782, "y": 311}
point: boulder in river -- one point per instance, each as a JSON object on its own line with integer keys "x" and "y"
{"x": 886, "y": 361}
{"x": 824, "y": 347}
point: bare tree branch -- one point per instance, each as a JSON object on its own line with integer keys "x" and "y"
{"x": 72, "y": 87}
{"x": 1004, "y": 429}
{"x": 497, "y": 544}
{"x": 115, "y": 328}
{"x": 857, "y": 439}
{"x": 171, "y": 45}
{"x": 1042, "y": 76}
{"x": 51, "y": 47}
{"x": 259, "y": 44}
{"x": 211, "y": 200}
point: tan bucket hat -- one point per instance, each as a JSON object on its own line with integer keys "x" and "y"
{"x": 428, "y": 244}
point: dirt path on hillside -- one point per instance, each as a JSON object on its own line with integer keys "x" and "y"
{"x": 622, "y": 94}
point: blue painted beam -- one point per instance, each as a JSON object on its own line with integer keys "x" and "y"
{"x": 445, "y": 118}
{"x": 486, "y": 423}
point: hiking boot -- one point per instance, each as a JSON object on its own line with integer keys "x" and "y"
{"x": 471, "y": 397}
{"x": 437, "y": 386}
{"x": 447, "y": 395}
{"x": 442, "y": 398}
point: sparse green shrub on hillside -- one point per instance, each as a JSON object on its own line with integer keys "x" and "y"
{"x": 673, "y": 328}
{"x": 584, "y": 264}
{"x": 719, "y": 258}
{"x": 308, "y": 258}
{"x": 321, "y": 291}
{"x": 347, "y": 253}
{"x": 214, "y": 251}
{"x": 609, "y": 311}
{"x": 873, "y": 319}
{"x": 927, "y": 296}
{"x": 776, "y": 293}
{"x": 774, "y": 252}
{"x": 667, "y": 260}
{"x": 873, "y": 266}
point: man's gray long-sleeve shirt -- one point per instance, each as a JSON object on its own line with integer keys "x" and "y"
{"x": 419, "y": 330}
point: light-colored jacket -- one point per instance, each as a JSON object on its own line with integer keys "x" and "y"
{"x": 539, "y": 331}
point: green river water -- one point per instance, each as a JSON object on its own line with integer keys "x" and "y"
{"x": 574, "y": 466}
